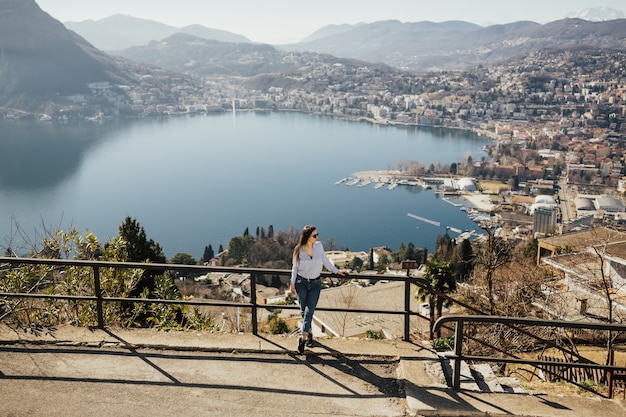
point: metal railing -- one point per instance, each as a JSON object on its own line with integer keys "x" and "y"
{"x": 255, "y": 273}
{"x": 459, "y": 335}
{"x": 254, "y": 305}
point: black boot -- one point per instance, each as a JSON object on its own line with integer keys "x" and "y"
{"x": 309, "y": 340}
{"x": 301, "y": 343}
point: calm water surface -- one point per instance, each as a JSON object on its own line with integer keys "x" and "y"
{"x": 195, "y": 181}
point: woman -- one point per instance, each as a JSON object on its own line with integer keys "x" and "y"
{"x": 308, "y": 259}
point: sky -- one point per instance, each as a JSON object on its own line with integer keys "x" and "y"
{"x": 287, "y": 21}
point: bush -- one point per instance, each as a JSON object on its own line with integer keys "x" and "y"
{"x": 373, "y": 334}
{"x": 443, "y": 343}
{"x": 278, "y": 325}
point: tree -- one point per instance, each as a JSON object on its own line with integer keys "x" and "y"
{"x": 238, "y": 248}
{"x": 208, "y": 253}
{"x": 138, "y": 247}
{"x": 493, "y": 253}
{"x": 444, "y": 247}
{"x": 183, "y": 259}
{"x": 463, "y": 260}
{"x": 604, "y": 273}
{"x": 440, "y": 280}
{"x": 356, "y": 264}
{"x": 141, "y": 249}
{"x": 383, "y": 261}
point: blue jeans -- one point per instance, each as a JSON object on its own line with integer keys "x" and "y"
{"x": 308, "y": 296}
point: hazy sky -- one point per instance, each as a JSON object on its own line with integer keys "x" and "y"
{"x": 284, "y": 21}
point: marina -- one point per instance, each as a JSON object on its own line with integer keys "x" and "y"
{"x": 475, "y": 205}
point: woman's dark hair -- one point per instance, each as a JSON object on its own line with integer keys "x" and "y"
{"x": 304, "y": 236}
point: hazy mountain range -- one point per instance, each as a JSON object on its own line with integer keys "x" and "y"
{"x": 41, "y": 60}
{"x": 120, "y": 32}
{"x": 419, "y": 46}
{"x": 597, "y": 14}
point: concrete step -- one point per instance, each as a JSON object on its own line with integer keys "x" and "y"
{"x": 479, "y": 377}
{"x": 468, "y": 382}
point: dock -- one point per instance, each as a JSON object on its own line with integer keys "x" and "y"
{"x": 415, "y": 216}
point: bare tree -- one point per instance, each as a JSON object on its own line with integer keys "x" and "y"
{"x": 594, "y": 268}
{"x": 493, "y": 253}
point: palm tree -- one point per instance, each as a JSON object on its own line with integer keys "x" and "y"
{"x": 441, "y": 280}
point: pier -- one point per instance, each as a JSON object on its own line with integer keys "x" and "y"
{"x": 415, "y": 216}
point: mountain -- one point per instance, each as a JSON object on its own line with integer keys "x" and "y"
{"x": 46, "y": 68}
{"x": 186, "y": 53}
{"x": 421, "y": 46}
{"x": 119, "y": 32}
{"x": 330, "y": 30}
{"x": 189, "y": 54}
{"x": 457, "y": 45}
{"x": 40, "y": 58}
{"x": 597, "y": 14}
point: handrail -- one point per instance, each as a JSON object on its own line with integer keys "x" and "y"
{"x": 462, "y": 320}
{"x": 253, "y": 304}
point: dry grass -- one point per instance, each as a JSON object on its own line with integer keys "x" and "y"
{"x": 492, "y": 186}
{"x": 533, "y": 384}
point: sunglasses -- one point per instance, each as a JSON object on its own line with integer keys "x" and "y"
{"x": 315, "y": 235}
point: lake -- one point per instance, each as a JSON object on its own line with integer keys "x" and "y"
{"x": 194, "y": 181}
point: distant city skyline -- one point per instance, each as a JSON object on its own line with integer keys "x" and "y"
{"x": 289, "y": 21}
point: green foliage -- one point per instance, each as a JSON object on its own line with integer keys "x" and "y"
{"x": 441, "y": 280}
{"x": 238, "y": 248}
{"x": 183, "y": 259}
{"x": 444, "y": 248}
{"x": 138, "y": 247}
{"x": 290, "y": 300}
{"x": 79, "y": 281}
{"x": 463, "y": 260}
{"x": 373, "y": 334}
{"x": 208, "y": 253}
{"x": 277, "y": 324}
{"x": 263, "y": 251}
{"x": 383, "y": 261}
{"x": 356, "y": 264}
{"x": 409, "y": 252}
{"x": 443, "y": 343}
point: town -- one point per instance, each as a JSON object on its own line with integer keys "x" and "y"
{"x": 555, "y": 119}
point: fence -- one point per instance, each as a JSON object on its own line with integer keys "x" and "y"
{"x": 254, "y": 305}
{"x": 255, "y": 273}
{"x": 614, "y": 372}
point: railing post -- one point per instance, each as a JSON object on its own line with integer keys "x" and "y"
{"x": 98, "y": 291}
{"x": 407, "y": 309}
{"x": 255, "y": 324}
{"x": 408, "y": 265}
{"x": 458, "y": 349}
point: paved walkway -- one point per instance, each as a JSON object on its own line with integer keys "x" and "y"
{"x": 82, "y": 372}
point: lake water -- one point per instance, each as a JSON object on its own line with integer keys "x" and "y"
{"x": 191, "y": 181}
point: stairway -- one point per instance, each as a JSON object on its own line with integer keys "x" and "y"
{"x": 479, "y": 377}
